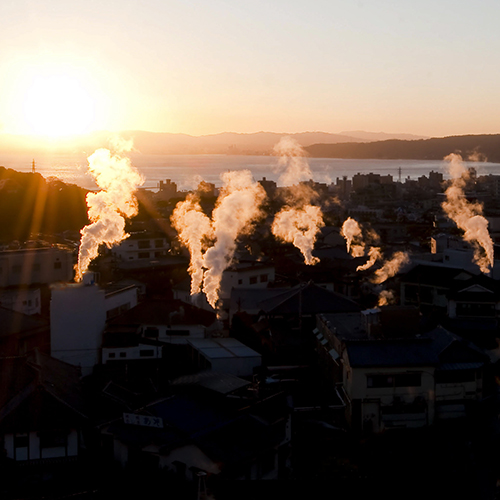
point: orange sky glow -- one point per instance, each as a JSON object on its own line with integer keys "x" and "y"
{"x": 195, "y": 67}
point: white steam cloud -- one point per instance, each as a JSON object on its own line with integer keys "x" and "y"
{"x": 356, "y": 245}
{"x": 300, "y": 227}
{"x": 390, "y": 267}
{"x": 237, "y": 207}
{"x": 299, "y": 222}
{"x": 353, "y": 235}
{"x": 107, "y": 209}
{"x": 292, "y": 161}
{"x": 468, "y": 216}
{"x": 194, "y": 228}
{"x": 375, "y": 255}
{"x": 386, "y": 298}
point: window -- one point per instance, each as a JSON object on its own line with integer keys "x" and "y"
{"x": 253, "y": 280}
{"x": 21, "y": 441}
{"x": 178, "y": 332}
{"x": 240, "y": 282}
{"x": 123, "y": 355}
{"x": 111, "y": 355}
{"x": 143, "y": 255}
{"x": 159, "y": 243}
{"x": 144, "y": 244}
{"x": 52, "y": 439}
{"x": 263, "y": 278}
{"x": 143, "y": 353}
{"x": 455, "y": 376}
{"x": 151, "y": 332}
{"x": 57, "y": 265}
{"x": 398, "y": 380}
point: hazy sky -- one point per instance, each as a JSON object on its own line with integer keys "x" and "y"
{"x": 199, "y": 67}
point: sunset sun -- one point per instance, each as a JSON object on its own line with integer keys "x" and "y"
{"x": 58, "y": 105}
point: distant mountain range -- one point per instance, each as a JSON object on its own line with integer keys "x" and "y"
{"x": 355, "y": 144}
{"x": 259, "y": 143}
{"x": 475, "y": 147}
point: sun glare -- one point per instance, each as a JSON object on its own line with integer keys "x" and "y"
{"x": 58, "y": 105}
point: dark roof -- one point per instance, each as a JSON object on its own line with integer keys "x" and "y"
{"x": 220, "y": 382}
{"x": 308, "y": 299}
{"x": 491, "y": 293}
{"x": 165, "y": 312}
{"x": 13, "y": 322}
{"x": 39, "y": 389}
{"x": 401, "y": 352}
{"x": 438, "y": 276}
{"x": 436, "y": 348}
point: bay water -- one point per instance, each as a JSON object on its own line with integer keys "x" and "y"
{"x": 188, "y": 170}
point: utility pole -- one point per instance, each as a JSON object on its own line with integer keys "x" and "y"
{"x": 33, "y": 166}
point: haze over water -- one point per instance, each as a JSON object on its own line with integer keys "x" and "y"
{"x": 188, "y": 170}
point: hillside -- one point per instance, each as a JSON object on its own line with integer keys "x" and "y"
{"x": 30, "y": 204}
{"x": 487, "y": 147}
{"x": 258, "y": 143}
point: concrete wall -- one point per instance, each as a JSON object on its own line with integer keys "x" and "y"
{"x": 77, "y": 320}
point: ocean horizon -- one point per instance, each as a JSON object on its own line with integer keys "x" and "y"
{"x": 188, "y": 170}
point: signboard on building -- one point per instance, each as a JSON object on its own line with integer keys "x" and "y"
{"x": 143, "y": 420}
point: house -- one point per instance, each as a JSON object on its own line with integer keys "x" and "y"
{"x": 168, "y": 321}
{"x": 282, "y": 320}
{"x": 427, "y": 286}
{"x": 42, "y": 410}
{"x": 140, "y": 247}
{"x": 197, "y": 433}
{"x": 35, "y": 266}
{"x": 410, "y": 380}
{"x": 20, "y": 333}
{"x": 26, "y": 300}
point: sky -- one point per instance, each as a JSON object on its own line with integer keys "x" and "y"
{"x": 204, "y": 67}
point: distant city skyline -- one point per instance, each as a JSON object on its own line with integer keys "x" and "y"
{"x": 425, "y": 68}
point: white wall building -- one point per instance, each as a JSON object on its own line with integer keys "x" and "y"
{"x": 78, "y": 314}
{"x": 35, "y": 266}
{"x": 141, "y": 246}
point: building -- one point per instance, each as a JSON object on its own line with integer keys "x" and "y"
{"x": 78, "y": 315}
{"x": 405, "y": 380}
{"x": 42, "y": 410}
{"x": 35, "y": 266}
{"x": 141, "y": 247}
{"x": 167, "y": 190}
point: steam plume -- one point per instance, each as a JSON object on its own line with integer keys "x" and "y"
{"x": 292, "y": 160}
{"x": 299, "y": 226}
{"x": 386, "y": 298}
{"x": 468, "y": 216}
{"x": 237, "y": 206}
{"x": 375, "y": 254}
{"x": 390, "y": 267}
{"x": 193, "y": 227}
{"x": 354, "y": 238}
{"x": 118, "y": 180}
{"x": 299, "y": 221}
